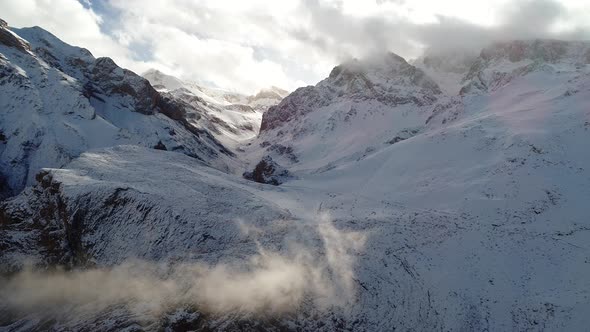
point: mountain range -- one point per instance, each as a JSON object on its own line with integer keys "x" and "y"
{"x": 444, "y": 193}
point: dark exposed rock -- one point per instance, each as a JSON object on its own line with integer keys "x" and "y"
{"x": 5, "y": 190}
{"x": 172, "y": 108}
{"x": 269, "y": 172}
{"x": 176, "y": 109}
{"x": 404, "y": 135}
{"x": 396, "y": 139}
{"x": 112, "y": 79}
{"x": 9, "y": 39}
{"x": 160, "y": 146}
{"x": 283, "y": 150}
{"x": 90, "y": 91}
{"x": 48, "y": 57}
{"x": 45, "y": 225}
{"x": 301, "y": 101}
{"x": 240, "y": 107}
{"x": 190, "y": 318}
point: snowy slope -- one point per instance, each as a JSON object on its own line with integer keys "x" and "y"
{"x": 506, "y": 163}
{"x": 111, "y": 207}
{"x": 358, "y": 109}
{"x": 512, "y": 171}
{"x": 120, "y": 191}
{"x": 58, "y": 101}
{"x": 502, "y": 62}
{"x": 414, "y": 208}
{"x": 364, "y": 106}
{"x": 231, "y": 117}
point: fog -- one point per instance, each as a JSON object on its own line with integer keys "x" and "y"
{"x": 339, "y": 34}
{"x": 265, "y": 284}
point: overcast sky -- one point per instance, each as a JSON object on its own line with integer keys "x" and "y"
{"x": 245, "y": 45}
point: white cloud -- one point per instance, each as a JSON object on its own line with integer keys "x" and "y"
{"x": 248, "y": 45}
{"x": 67, "y": 19}
{"x": 238, "y": 45}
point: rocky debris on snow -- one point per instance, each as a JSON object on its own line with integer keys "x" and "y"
{"x": 269, "y": 172}
{"x": 404, "y": 135}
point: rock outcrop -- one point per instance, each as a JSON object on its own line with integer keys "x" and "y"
{"x": 269, "y": 172}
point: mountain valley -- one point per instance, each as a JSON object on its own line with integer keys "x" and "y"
{"x": 446, "y": 193}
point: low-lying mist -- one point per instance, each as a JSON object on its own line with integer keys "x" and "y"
{"x": 268, "y": 283}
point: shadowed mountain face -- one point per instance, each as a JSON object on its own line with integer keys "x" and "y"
{"x": 387, "y": 79}
{"x": 231, "y": 117}
{"x": 449, "y": 193}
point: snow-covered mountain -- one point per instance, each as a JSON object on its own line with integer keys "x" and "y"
{"x": 58, "y": 101}
{"x": 364, "y": 106}
{"x": 501, "y": 63}
{"x": 359, "y": 108}
{"x": 455, "y": 202}
{"x": 505, "y": 160}
{"x": 231, "y": 117}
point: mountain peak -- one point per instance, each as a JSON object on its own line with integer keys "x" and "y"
{"x": 10, "y": 39}
{"x": 281, "y": 92}
{"x": 162, "y": 80}
{"x": 377, "y": 62}
{"x": 152, "y": 71}
{"x": 385, "y": 70}
{"x": 385, "y": 78}
{"x": 270, "y": 93}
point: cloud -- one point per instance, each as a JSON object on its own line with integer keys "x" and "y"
{"x": 70, "y": 21}
{"x": 249, "y": 45}
{"x": 214, "y": 61}
{"x": 522, "y": 20}
{"x": 332, "y": 30}
{"x": 265, "y": 284}
{"x": 223, "y": 43}
{"x": 340, "y": 35}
